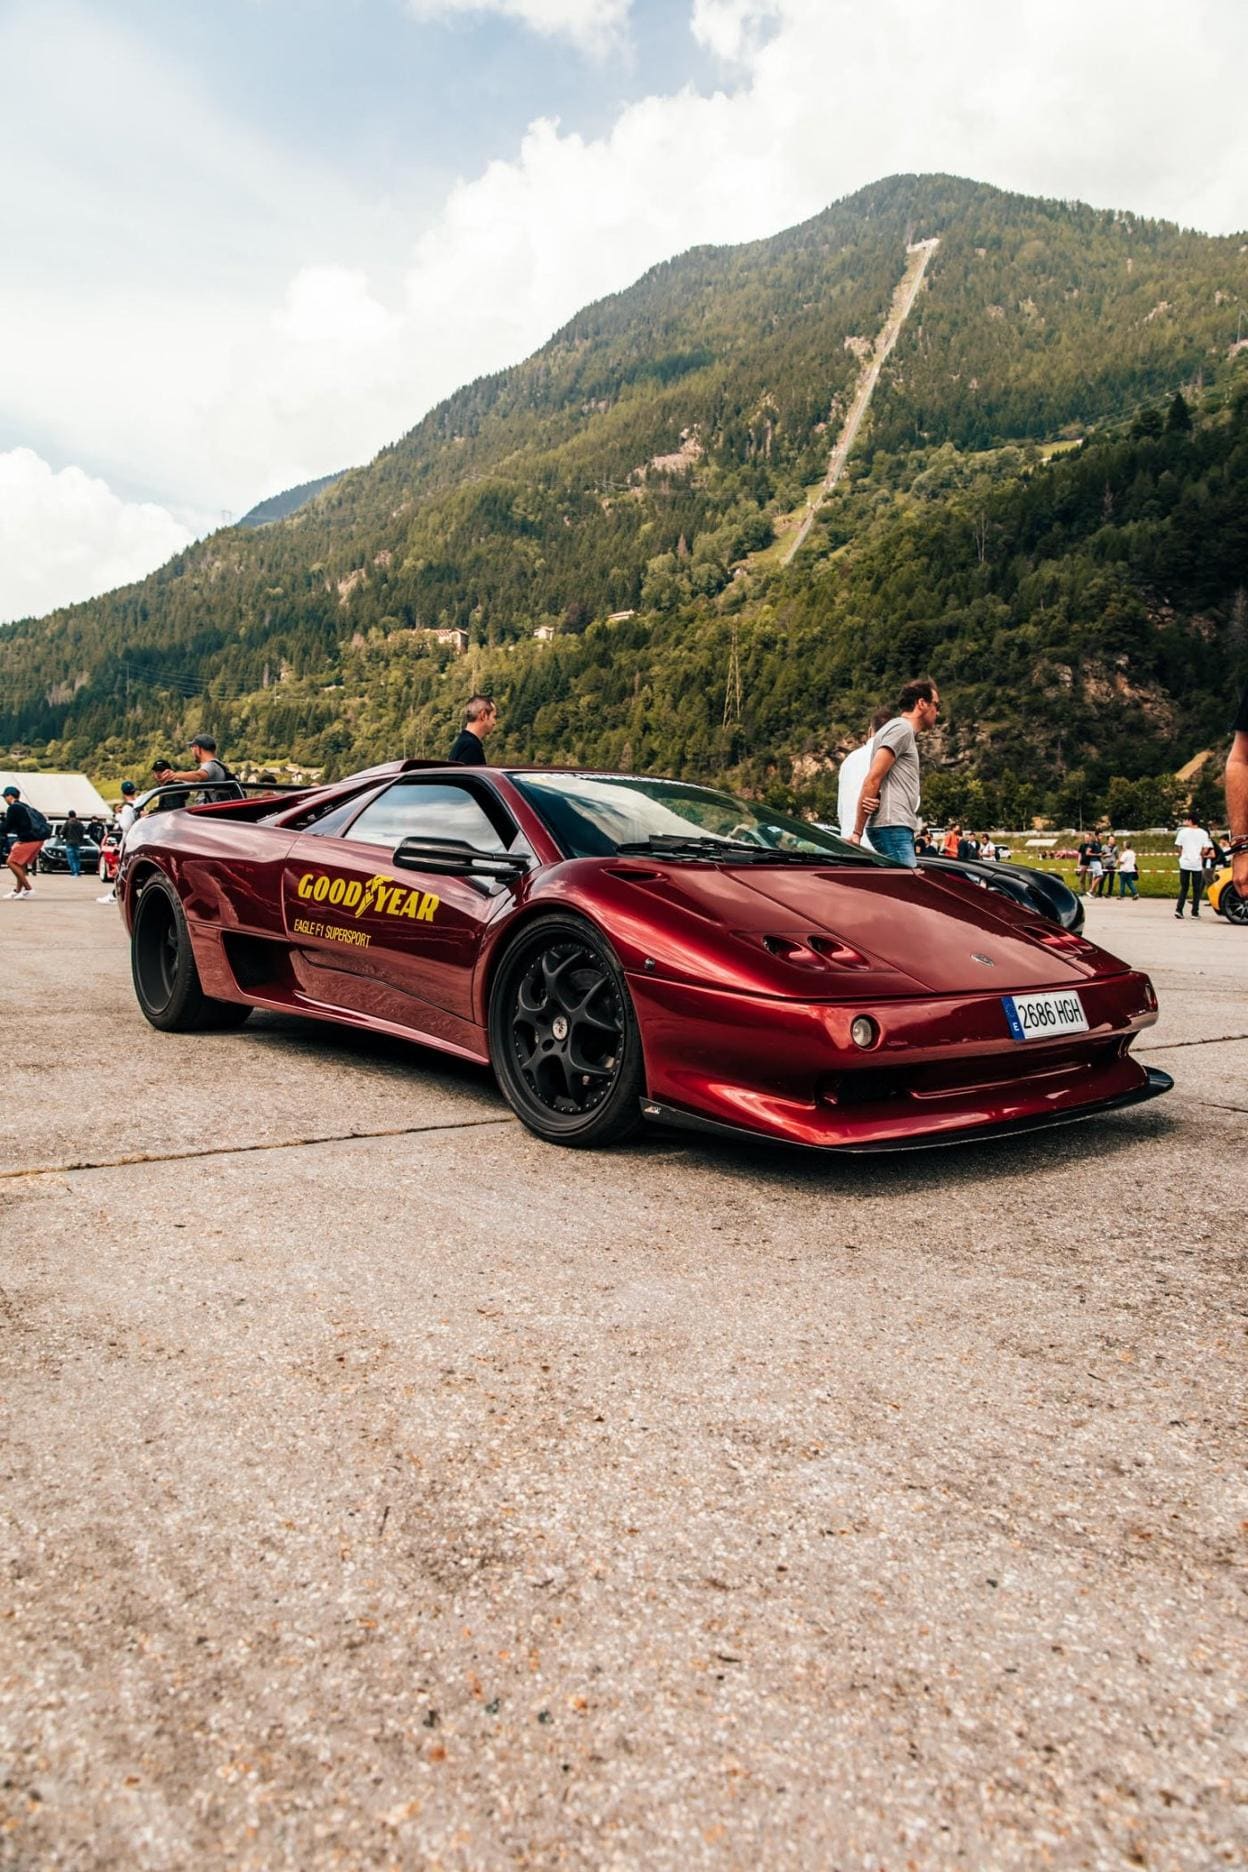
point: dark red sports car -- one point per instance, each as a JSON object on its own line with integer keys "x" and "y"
{"x": 621, "y": 948}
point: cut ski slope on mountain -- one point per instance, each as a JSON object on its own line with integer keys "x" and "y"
{"x": 918, "y": 254}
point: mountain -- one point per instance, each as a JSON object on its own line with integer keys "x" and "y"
{"x": 281, "y": 506}
{"x": 1082, "y": 609}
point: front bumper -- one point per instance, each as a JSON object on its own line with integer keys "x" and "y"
{"x": 945, "y": 1067}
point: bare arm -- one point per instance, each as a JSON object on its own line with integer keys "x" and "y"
{"x": 869, "y": 798}
{"x": 195, "y": 773}
{"x": 1237, "y": 805}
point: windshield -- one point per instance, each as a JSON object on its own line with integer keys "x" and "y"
{"x": 594, "y": 816}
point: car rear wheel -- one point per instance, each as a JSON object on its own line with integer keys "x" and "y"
{"x": 564, "y": 1037}
{"x": 162, "y": 963}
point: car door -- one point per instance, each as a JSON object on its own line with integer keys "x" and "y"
{"x": 388, "y": 942}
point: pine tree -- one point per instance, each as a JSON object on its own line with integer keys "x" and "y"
{"x": 1178, "y": 416}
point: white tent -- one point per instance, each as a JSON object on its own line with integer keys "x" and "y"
{"x": 54, "y": 793}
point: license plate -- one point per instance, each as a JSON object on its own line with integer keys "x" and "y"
{"x": 1043, "y": 1016}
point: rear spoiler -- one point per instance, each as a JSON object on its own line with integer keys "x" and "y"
{"x": 253, "y": 799}
{"x": 229, "y": 799}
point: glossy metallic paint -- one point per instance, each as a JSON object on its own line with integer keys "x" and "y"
{"x": 745, "y": 981}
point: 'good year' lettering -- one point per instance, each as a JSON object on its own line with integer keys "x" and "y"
{"x": 378, "y": 895}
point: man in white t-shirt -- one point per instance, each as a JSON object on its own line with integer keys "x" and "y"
{"x": 854, "y": 770}
{"x": 1195, "y": 848}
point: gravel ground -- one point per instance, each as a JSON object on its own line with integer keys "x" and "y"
{"x": 385, "y": 1489}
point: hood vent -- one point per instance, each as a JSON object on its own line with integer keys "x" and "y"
{"x": 809, "y": 952}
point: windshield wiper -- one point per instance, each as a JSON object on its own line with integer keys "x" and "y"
{"x": 729, "y": 851}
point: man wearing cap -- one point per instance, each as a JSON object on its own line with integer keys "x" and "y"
{"x": 19, "y": 825}
{"x": 126, "y": 816}
{"x": 210, "y": 770}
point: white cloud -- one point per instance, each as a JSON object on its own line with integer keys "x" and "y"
{"x": 332, "y": 305}
{"x": 596, "y": 26}
{"x": 733, "y": 28}
{"x": 67, "y": 536}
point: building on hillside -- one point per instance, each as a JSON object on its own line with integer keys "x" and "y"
{"x": 53, "y": 794}
{"x": 457, "y": 639}
{"x": 544, "y": 633}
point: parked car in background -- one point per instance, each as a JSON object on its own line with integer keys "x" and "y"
{"x": 109, "y": 855}
{"x": 1225, "y": 900}
{"x": 54, "y": 857}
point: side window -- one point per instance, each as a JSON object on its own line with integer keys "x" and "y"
{"x": 429, "y": 810}
{"x": 333, "y": 821}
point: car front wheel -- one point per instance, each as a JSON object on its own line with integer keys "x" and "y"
{"x": 1233, "y": 907}
{"x": 563, "y": 1035}
{"x": 162, "y": 963}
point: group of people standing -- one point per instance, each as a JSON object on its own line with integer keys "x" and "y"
{"x": 26, "y": 830}
{"x": 969, "y": 847}
{"x": 1101, "y": 861}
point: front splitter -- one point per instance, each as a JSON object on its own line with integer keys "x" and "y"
{"x": 1156, "y": 1083}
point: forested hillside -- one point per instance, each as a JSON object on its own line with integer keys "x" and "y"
{"x": 289, "y": 501}
{"x": 1085, "y": 614}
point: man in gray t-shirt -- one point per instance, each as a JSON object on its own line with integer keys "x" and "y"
{"x": 889, "y": 800}
{"x": 209, "y": 771}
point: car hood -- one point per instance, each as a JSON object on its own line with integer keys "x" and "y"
{"x": 946, "y": 936}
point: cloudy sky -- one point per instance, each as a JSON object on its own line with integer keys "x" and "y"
{"x": 248, "y": 243}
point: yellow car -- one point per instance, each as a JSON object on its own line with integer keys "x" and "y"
{"x": 1226, "y": 900}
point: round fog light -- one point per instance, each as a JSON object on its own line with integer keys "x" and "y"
{"x": 864, "y": 1031}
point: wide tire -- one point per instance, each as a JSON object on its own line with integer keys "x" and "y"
{"x": 1233, "y": 907}
{"x": 563, "y": 1035}
{"x": 162, "y": 963}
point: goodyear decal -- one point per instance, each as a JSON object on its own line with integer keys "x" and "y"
{"x": 379, "y": 895}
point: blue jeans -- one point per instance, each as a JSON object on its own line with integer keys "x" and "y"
{"x": 896, "y": 843}
{"x": 74, "y": 857}
{"x": 1126, "y": 882}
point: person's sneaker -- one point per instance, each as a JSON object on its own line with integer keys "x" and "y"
{"x": 1178, "y": 913}
{"x": 108, "y": 897}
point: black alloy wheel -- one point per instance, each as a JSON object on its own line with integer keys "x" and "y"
{"x": 162, "y": 963}
{"x": 563, "y": 1035}
{"x": 1233, "y": 907}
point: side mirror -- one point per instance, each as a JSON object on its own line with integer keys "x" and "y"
{"x": 455, "y": 857}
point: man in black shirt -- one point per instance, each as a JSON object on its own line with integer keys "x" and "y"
{"x": 1237, "y": 797}
{"x": 479, "y": 717}
{"x": 73, "y": 832}
{"x": 28, "y": 833}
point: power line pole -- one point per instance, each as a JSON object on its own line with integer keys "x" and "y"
{"x": 732, "y": 693}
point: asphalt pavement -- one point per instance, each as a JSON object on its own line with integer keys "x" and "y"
{"x": 382, "y": 1488}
